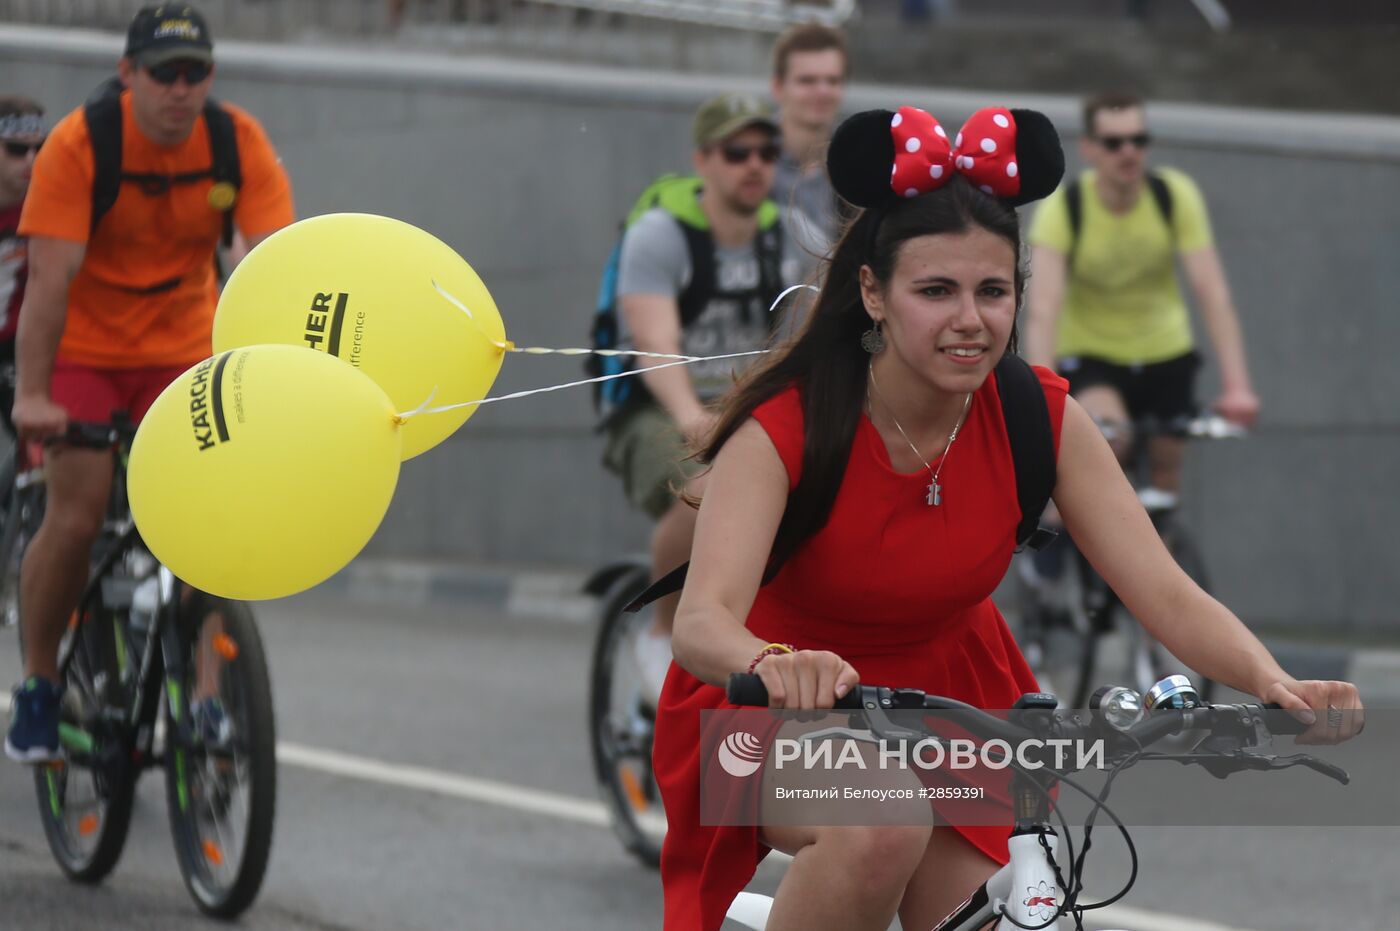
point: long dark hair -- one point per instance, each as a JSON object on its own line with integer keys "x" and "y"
{"x": 826, "y": 360}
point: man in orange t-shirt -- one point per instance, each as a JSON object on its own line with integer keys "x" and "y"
{"x": 113, "y": 313}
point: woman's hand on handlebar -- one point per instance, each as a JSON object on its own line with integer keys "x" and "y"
{"x": 1333, "y": 709}
{"x": 38, "y": 418}
{"x": 806, "y": 680}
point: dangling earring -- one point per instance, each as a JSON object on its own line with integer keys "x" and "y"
{"x": 873, "y": 340}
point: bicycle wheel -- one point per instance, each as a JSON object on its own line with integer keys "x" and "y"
{"x": 85, "y": 800}
{"x": 1052, "y": 629}
{"x": 23, "y": 512}
{"x": 620, "y": 726}
{"x": 221, "y": 788}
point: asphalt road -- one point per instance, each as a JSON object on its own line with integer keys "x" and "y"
{"x": 434, "y": 775}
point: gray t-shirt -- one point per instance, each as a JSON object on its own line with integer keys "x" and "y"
{"x": 810, "y": 192}
{"x": 655, "y": 260}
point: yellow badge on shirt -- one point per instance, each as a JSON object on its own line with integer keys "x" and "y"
{"x": 222, "y": 196}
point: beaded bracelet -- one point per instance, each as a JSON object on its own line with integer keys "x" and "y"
{"x": 773, "y": 649}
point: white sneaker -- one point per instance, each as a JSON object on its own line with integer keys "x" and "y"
{"x": 652, "y": 652}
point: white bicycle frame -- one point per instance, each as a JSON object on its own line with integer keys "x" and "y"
{"x": 1026, "y": 888}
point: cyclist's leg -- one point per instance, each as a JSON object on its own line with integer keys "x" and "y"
{"x": 844, "y": 876}
{"x": 55, "y": 565}
{"x": 950, "y": 870}
{"x": 1168, "y": 392}
{"x": 78, "y": 482}
{"x": 646, "y": 449}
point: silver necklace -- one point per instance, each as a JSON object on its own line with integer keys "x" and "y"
{"x": 935, "y": 490}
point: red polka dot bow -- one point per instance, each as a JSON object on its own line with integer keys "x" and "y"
{"x": 984, "y": 152}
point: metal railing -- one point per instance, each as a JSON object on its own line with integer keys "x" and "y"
{"x": 281, "y": 18}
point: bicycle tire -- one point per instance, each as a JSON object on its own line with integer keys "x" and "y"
{"x": 196, "y": 794}
{"x": 17, "y": 529}
{"x": 627, "y": 794}
{"x": 88, "y": 849}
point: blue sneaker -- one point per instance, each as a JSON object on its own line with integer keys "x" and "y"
{"x": 33, "y": 736}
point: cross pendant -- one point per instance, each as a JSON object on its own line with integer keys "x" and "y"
{"x": 935, "y": 494}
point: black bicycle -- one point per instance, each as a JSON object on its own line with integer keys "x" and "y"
{"x": 1066, "y": 619}
{"x": 621, "y": 715}
{"x": 154, "y": 674}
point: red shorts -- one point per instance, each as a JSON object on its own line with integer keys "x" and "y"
{"x": 91, "y": 395}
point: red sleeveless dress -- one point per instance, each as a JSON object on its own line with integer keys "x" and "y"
{"x": 899, "y": 589}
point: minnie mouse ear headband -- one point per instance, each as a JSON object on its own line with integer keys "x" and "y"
{"x": 879, "y": 157}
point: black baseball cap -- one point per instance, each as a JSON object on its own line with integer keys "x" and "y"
{"x": 165, "y": 32}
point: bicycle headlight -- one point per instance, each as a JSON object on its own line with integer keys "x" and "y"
{"x": 1175, "y": 693}
{"x": 1119, "y": 706}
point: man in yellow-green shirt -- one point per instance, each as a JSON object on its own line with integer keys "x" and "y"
{"x": 1104, "y": 305}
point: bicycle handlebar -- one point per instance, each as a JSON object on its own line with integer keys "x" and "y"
{"x": 88, "y": 435}
{"x": 1204, "y": 427}
{"x": 747, "y": 689}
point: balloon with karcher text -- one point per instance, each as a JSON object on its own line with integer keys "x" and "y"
{"x": 368, "y": 289}
{"x": 264, "y": 470}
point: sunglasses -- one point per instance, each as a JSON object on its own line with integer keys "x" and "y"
{"x": 194, "y": 72}
{"x": 21, "y": 149}
{"x": 739, "y": 154}
{"x": 1114, "y": 143}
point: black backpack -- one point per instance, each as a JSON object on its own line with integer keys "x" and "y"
{"x": 1032, "y": 439}
{"x": 677, "y": 195}
{"x": 103, "y": 113}
{"x": 1074, "y": 203}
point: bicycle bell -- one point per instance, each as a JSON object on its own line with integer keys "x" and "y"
{"x": 1175, "y": 693}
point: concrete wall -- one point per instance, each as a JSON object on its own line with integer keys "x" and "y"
{"x": 525, "y": 169}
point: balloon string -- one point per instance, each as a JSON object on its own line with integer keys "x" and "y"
{"x": 797, "y": 287}
{"x": 508, "y": 346}
{"x": 688, "y": 360}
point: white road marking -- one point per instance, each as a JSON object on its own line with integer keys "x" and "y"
{"x": 582, "y": 811}
{"x": 500, "y": 794}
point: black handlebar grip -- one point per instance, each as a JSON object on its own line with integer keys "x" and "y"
{"x": 746, "y": 689}
{"x": 1283, "y": 722}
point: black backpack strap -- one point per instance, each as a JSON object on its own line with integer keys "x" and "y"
{"x": 103, "y": 113}
{"x": 1032, "y": 439}
{"x": 1162, "y": 196}
{"x": 225, "y": 165}
{"x": 1074, "y": 204}
{"x": 696, "y": 295}
{"x": 768, "y": 250}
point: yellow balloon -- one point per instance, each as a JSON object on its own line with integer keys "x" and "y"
{"x": 262, "y": 471}
{"x": 360, "y": 287}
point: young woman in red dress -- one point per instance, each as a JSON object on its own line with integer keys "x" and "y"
{"x": 869, "y": 460}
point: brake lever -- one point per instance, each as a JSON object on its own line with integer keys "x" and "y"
{"x": 1222, "y": 765}
{"x": 1325, "y": 768}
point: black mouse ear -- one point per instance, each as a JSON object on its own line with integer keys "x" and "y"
{"x": 1039, "y": 155}
{"x": 860, "y": 159}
